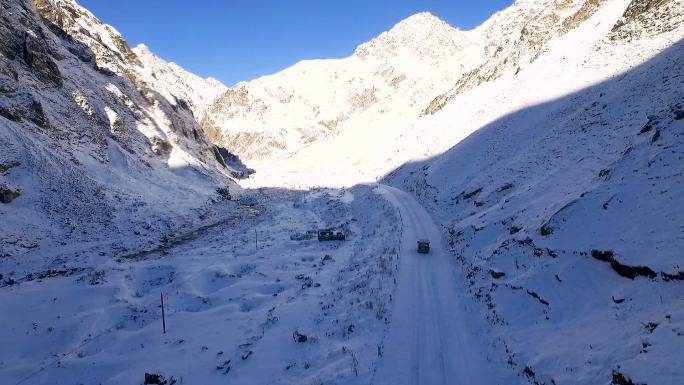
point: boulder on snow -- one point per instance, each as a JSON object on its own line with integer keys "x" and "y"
{"x": 299, "y": 338}
{"x": 496, "y": 274}
{"x": 7, "y": 194}
{"x": 4, "y": 167}
{"x": 158, "y": 379}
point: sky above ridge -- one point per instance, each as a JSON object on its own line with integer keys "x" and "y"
{"x": 236, "y": 40}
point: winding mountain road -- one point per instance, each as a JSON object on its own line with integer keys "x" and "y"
{"x": 429, "y": 341}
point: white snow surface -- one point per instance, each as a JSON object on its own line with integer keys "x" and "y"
{"x": 541, "y": 154}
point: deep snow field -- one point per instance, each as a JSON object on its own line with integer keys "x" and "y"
{"x": 233, "y": 305}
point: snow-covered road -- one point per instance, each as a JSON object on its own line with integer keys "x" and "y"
{"x": 429, "y": 341}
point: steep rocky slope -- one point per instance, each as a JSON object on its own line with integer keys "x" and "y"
{"x": 92, "y": 140}
{"x": 172, "y": 81}
{"x": 565, "y": 212}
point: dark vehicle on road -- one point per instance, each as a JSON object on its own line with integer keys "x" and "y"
{"x": 330, "y": 235}
{"x": 423, "y": 246}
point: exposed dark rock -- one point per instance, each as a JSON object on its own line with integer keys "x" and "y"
{"x": 39, "y": 60}
{"x": 678, "y": 114}
{"x": 7, "y": 194}
{"x": 10, "y": 46}
{"x": 650, "y": 327}
{"x": 49, "y": 11}
{"x": 496, "y": 274}
{"x": 298, "y": 337}
{"x": 229, "y": 160}
{"x": 472, "y": 193}
{"x": 635, "y": 10}
{"x": 531, "y": 375}
{"x": 36, "y": 114}
{"x": 546, "y": 230}
{"x": 626, "y": 271}
{"x": 672, "y": 277}
{"x": 158, "y": 379}
{"x": 160, "y": 146}
{"x": 224, "y": 192}
{"x": 23, "y": 105}
{"x": 621, "y": 300}
{"x": 537, "y": 297}
{"x": 648, "y": 126}
{"x": 603, "y": 255}
{"x": 78, "y": 49}
{"x": 128, "y": 53}
{"x": 4, "y": 167}
{"x": 587, "y": 9}
{"x": 219, "y": 156}
{"x": 655, "y": 136}
{"x": 620, "y": 379}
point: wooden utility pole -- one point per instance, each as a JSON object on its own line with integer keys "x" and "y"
{"x": 163, "y": 316}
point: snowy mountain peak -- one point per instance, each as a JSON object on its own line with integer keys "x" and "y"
{"x": 421, "y": 20}
{"x": 422, "y": 34}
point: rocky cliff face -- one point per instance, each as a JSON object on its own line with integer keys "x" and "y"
{"x": 174, "y": 82}
{"x": 87, "y": 132}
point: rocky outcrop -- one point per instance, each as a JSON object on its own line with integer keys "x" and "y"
{"x": 160, "y": 146}
{"x": 23, "y": 106}
{"x": 648, "y": 17}
{"x": 8, "y": 194}
{"x": 626, "y": 271}
{"x": 38, "y": 59}
{"x": 516, "y": 37}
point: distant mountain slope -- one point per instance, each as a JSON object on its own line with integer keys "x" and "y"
{"x": 389, "y": 76}
{"x": 90, "y": 141}
{"x": 412, "y": 69}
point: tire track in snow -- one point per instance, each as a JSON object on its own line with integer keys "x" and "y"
{"x": 428, "y": 340}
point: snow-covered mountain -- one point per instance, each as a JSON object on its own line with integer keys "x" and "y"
{"x": 95, "y": 137}
{"x": 172, "y": 81}
{"x": 545, "y": 148}
{"x": 385, "y": 81}
{"x": 411, "y": 70}
{"x": 554, "y": 166}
